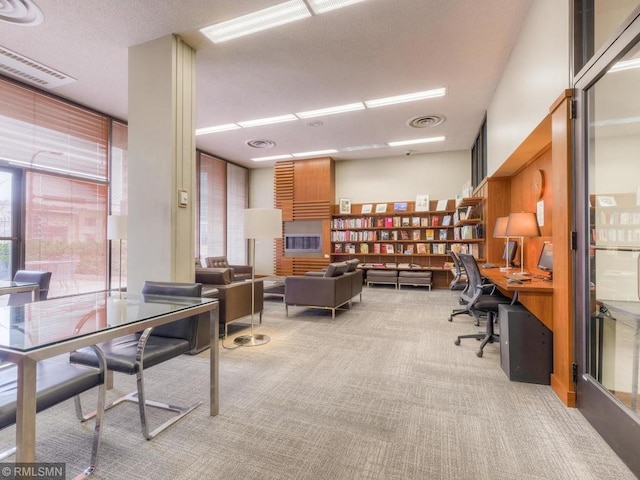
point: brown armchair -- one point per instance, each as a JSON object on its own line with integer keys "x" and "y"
{"x": 234, "y": 297}
{"x": 238, "y": 272}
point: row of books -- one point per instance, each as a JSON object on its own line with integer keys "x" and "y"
{"x": 630, "y": 236}
{"x": 468, "y": 232}
{"x": 391, "y": 222}
{"x": 384, "y": 235}
{"x": 618, "y": 218}
{"x": 390, "y": 248}
{"x": 472, "y": 248}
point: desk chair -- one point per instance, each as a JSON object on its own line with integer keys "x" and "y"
{"x": 57, "y": 380}
{"x": 459, "y": 281}
{"x": 481, "y": 303}
{"x": 155, "y": 345}
{"x": 42, "y": 278}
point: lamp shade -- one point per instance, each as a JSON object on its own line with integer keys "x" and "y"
{"x": 117, "y": 227}
{"x": 524, "y": 224}
{"x": 262, "y": 223}
{"x": 500, "y": 229}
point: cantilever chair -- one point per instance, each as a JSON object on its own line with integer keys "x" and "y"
{"x": 459, "y": 281}
{"x": 481, "y": 303}
{"x": 57, "y": 380}
{"x": 130, "y": 353}
{"x": 42, "y": 278}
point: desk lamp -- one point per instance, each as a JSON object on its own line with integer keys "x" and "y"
{"x": 258, "y": 223}
{"x": 524, "y": 224}
{"x": 500, "y": 231}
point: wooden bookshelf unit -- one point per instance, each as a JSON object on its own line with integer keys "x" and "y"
{"x": 401, "y": 237}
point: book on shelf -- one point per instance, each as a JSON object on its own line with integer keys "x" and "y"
{"x": 396, "y": 221}
{"x": 380, "y": 222}
{"x": 394, "y": 235}
{"x": 439, "y": 248}
{"x": 415, "y": 221}
{"x": 422, "y": 203}
{"x": 404, "y": 265}
{"x": 408, "y": 249}
{"x": 376, "y": 248}
{"x": 424, "y": 222}
{"x": 442, "y": 234}
{"x": 435, "y": 220}
{"x": 416, "y": 235}
{"x": 406, "y": 221}
{"x": 388, "y": 222}
{"x": 390, "y": 265}
{"x": 364, "y": 248}
{"x": 446, "y": 220}
{"x": 421, "y": 248}
{"x": 404, "y": 234}
{"x": 350, "y": 248}
{"x": 441, "y": 205}
{"x": 384, "y": 235}
{"x": 337, "y": 248}
{"x": 388, "y": 248}
{"x": 429, "y": 234}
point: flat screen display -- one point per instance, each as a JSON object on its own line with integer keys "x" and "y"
{"x": 545, "y": 262}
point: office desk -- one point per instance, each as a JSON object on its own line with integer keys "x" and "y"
{"x": 40, "y": 330}
{"x": 536, "y": 295}
{"x": 7, "y": 287}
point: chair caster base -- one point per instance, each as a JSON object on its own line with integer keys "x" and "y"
{"x": 479, "y": 353}
{"x": 457, "y": 341}
{"x": 450, "y": 319}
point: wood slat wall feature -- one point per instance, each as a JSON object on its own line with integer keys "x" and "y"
{"x": 312, "y": 210}
{"x": 304, "y": 265}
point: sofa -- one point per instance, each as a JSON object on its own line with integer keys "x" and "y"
{"x": 234, "y": 296}
{"x": 330, "y": 289}
{"x": 238, "y": 272}
{"x": 357, "y": 276}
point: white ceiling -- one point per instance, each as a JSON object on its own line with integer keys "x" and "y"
{"x": 365, "y": 51}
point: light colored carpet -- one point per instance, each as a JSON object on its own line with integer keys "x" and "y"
{"x": 379, "y": 393}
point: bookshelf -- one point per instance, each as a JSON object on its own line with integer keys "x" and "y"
{"x": 396, "y": 237}
{"x": 468, "y": 229}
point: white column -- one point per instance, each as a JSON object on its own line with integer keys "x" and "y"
{"x": 161, "y": 162}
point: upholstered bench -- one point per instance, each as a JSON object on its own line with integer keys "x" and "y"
{"x": 382, "y": 276}
{"x": 417, "y": 279}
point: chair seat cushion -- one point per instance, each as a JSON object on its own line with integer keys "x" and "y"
{"x": 490, "y": 302}
{"x": 56, "y": 381}
{"x": 121, "y": 352}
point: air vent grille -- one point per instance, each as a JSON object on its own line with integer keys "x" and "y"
{"x": 261, "y": 143}
{"x": 20, "y": 12}
{"x": 426, "y": 121}
{"x": 23, "y": 68}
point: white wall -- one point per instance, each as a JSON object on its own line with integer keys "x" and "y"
{"x": 441, "y": 175}
{"x": 536, "y": 74}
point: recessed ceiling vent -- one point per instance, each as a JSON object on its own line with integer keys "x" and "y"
{"x": 426, "y": 121}
{"x": 261, "y": 143}
{"x": 23, "y": 68}
{"x": 21, "y": 12}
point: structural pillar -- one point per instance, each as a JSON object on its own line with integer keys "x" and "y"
{"x": 161, "y": 162}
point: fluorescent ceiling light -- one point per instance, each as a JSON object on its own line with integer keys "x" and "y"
{"x": 317, "y": 152}
{"x": 217, "y": 128}
{"x": 273, "y": 157}
{"x": 413, "y": 142}
{"x": 257, "y": 21}
{"x": 321, "y": 6}
{"x": 269, "y": 120}
{"x": 364, "y": 147}
{"x": 331, "y": 110}
{"x": 625, "y": 65}
{"x": 409, "y": 97}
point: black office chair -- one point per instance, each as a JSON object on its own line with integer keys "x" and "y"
{"x": 155, "y": 345}
{"x": 481, "y": 303}
{"x": 57, "y": 380}
{"x": 42, "y": 278}
{"x": 459, "y": 281}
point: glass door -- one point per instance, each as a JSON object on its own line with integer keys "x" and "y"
{"x": 10, "y": 180}
{"x": 608, "y": 189}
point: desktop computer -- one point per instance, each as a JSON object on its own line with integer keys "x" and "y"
{"x": 526, "y": 346}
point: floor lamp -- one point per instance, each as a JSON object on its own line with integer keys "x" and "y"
{"x": 524, "y": 224}
{"x": 258, "y": 223}
{"x": 500, "y": 231}
{"x": 117, "y": 230}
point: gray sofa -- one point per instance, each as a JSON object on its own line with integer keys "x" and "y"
{"x": 330, "y": 290}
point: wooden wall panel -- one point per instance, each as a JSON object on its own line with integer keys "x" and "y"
{"x": 314, "y": 180}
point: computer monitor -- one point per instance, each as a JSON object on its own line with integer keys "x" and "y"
{"x": 545, "y": 262}
{"x": 510, "y": 250}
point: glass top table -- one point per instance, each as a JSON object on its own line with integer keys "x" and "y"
{"x": 39, "y": 330}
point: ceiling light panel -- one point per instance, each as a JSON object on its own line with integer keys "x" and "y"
{"x": 314, "y": 153}
{"x": 218, "y": 128}
{"x": 273, "y": 157}
{"x": 257, "y": 21}
{"x": 409, "y": 97}
{"x": 269, "y": 120}
{"x": 331, "y": 110}
{"x": 322, "y": 6}
{"x": 415, "y": 141}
